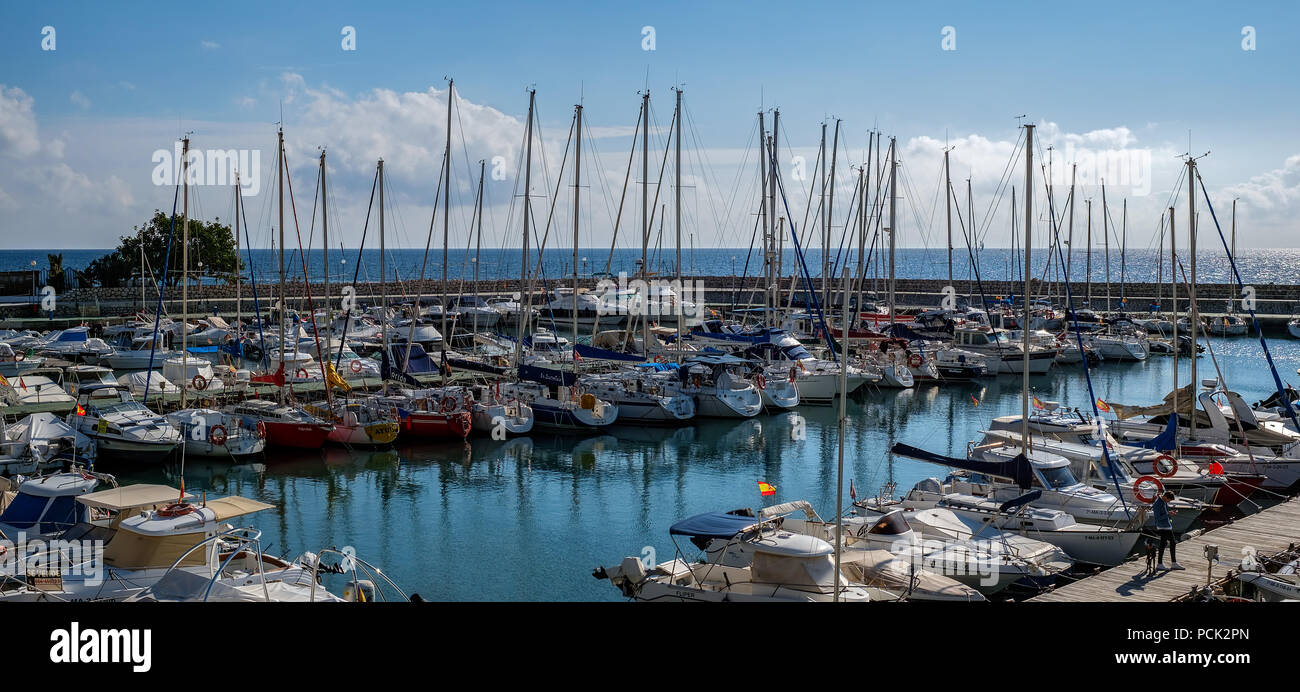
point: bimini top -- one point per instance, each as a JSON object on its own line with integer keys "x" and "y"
{"x": 132, "y": 497}
{"x": 713, "y": 525}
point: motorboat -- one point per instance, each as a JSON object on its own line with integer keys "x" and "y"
{"x": 45, "y": 506}
{"x": 778, "y": 566}
{"x": 120, "y": 425}
{"x": 988, "y": 565}
{"x": 42, "y": 442}
{"x": 720, "y": 387}
{"x": 43, "y": 386}
{"x": 15, "y": 362}
{"x": 145, "y": 383}
{"x": 1106, "y": 546}
{"x": 641, "y": 396}
{"x": 1001, "y": 353}
{"x": 557, "y": 403}
{"x": 132, "y": 352}
{"x": 211, "y": 433}
{"x": 149, "y": 530}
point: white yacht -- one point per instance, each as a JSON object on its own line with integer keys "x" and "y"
{"x": 121, "y": 425}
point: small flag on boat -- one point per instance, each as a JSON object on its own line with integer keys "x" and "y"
{"x": 22, "y": 384}
{"x": 1102, "y": 405}
{"x": 853, "y": 493}
{"x": 973, "y": 400}
{"x": 765, "y": 488}
{"x": 182, "y": 489}
{"x": 4, "y": 381}
{"x": 1037, "y": 404}
{"x": 80, "y": 411}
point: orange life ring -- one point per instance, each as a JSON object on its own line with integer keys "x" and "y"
{"x": 261, "y": 429}
{"x": 199, "y": 382}
{"x": 176, "y": 509}
{"x": 660, "y": 359}
{"x": 217, "y": 435}
{"x": 792, "y": 374}
{"x": 447, "y": 405}
{"x": 1173, "y": 465}
{"x": 915, "y": 360}
{"x": 1137, "y": 489}
{"x": 355, "y": 365}
{"x": 760, "y": 381}
{"x": 302, "y": 373}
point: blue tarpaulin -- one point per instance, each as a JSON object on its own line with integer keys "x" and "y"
{"x": 1166, "y": 441}
{"x": 712, "y": 525}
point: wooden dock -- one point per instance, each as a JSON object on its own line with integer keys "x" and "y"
{"x": 1268, "y": 532}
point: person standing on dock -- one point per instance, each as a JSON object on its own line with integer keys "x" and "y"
{"x": 1165, "y": 529}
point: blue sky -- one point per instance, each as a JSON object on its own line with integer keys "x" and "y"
{"x": 126, "y": 80}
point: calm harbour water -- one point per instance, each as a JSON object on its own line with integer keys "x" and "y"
{"x": 528, "y": 518}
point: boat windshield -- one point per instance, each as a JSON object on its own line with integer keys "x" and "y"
{"x": 892, "y": 524}
{"x": 119, "y": 407}
{"x": 1056, "y": 478}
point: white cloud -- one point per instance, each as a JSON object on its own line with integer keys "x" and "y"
{"x": 209, "y": 45}
{"x": 79, "y": 100}
{"x": 17, "y": 123}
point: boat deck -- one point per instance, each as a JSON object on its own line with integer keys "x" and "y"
{"x": 1269, "y": 531}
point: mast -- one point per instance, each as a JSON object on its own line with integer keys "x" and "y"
{"x": 776, "y": 223}
{"x": 1194, "y": 313}
{"x": 446, "y": 232}
{"x": 185, "y": 263}
{"x": 283, "y": 297}
{"x": 1173, "y": 294}
{"x": 383, "y": 269}
{"x": 577, "y": 190}
{"x": 325, "y": 244}
{"x": 769, "y": 300}
{"x": 947, "y": 201}
{"x": 843, "y": 419}
{"x": 239, "y": 275}
{"x": 1105, "y": 236}
{"x": 678, "y": 204}
{"x": 478, "y": 242}
{"x": 830, "y": 218}
{"x": 645, "y": 221}
{"x": 1089, "y": 267}
{"x": 1024, "y": 328}
{"x": 821, "y": 209}
{"x": 1069, "y": 259}
{"x": 1123, "y": 263}
{"x": 893, "y": 229}
{"x": 1231, "y": 309}
{"x": 526, "y": 308}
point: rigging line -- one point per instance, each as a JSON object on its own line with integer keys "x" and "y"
{"x": 627, "y": 176}
{"x": 158, "y": 312}
{"x": 1003, "y": 183}
{"x": 1232, "y": 262}
{"x": 721, "y": 222}
{"x": 257, "y": 307}
{"x": 356, "y": 268}
{"x": 311, "y": 310}
{"x": 541, "y": 241}
{"x": 442, "y": 283}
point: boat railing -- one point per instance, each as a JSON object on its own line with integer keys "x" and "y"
{"x": 349, "y": 563}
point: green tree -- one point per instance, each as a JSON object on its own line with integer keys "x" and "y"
{"x": 56, "y": 276}
{"x": 211, "y": 242}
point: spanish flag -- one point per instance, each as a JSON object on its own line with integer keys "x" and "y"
{"x": 973, "y": 400}
{"x": 1038, "y": 404}
{"x": 4, "y": 382}
{"x": 1101, "y": 405}
{"x": 765, "y": 488}
{"x": 80, "y": 411}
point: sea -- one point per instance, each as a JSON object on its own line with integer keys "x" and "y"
{"x": 1257, "y": 266}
